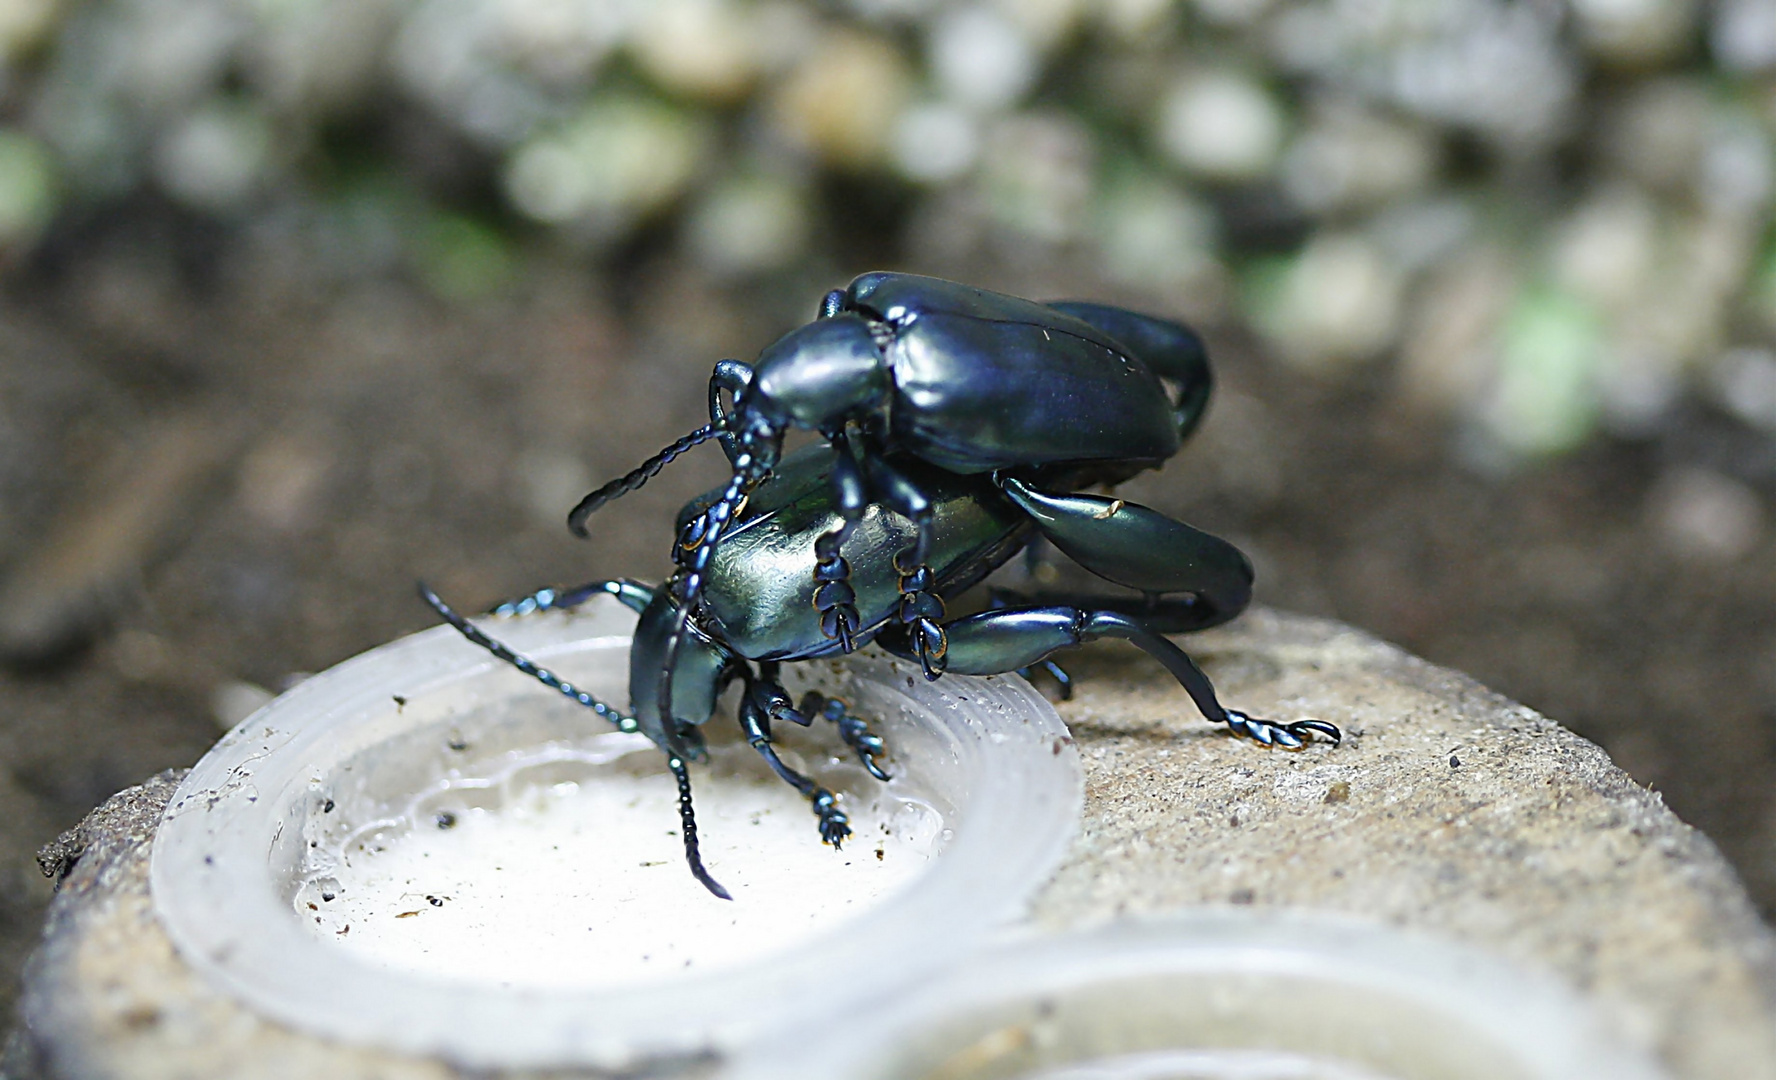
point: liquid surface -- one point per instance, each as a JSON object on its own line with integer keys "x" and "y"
{"x": 582, "y": 883}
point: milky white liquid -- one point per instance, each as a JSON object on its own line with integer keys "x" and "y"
{"x": 583, "y": 884}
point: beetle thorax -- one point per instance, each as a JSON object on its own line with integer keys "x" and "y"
{"x": 820, "y": 375}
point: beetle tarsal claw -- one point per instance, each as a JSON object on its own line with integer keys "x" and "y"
{"x": 834, "y": 825}
{"x": 854, "y": 730}
{"x": 1293, "y": 736}
{"x": 836, "y": 601}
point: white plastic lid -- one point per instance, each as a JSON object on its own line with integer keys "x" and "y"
{"x": 360, "y": 766}
{"x": 1220, "y": 994}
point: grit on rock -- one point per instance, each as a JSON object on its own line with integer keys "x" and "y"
{"x": 1448, "y": 809}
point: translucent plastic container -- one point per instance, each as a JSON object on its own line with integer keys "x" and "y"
{"x": 424, "y": 850}
{"x": 1219, "y": 995}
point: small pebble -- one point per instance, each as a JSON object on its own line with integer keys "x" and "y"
{"x": 1703, "y": 515}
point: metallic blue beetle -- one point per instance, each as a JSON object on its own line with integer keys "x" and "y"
{"x": 957, "y": 424}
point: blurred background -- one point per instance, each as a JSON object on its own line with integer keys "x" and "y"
{"x": 301, "y": 300}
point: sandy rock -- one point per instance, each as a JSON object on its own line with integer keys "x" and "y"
{"x": 1447, "y": 809}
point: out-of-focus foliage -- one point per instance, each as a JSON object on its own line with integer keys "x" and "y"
{"x": 1545, "y": 216}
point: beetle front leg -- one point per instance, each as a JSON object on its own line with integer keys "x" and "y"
{"x": 763, "y": 702}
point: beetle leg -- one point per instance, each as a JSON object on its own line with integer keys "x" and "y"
{"x": 734, "y": 377}
{"x": 674, "y": 762}
{"x": 994, "y": 642}
{"x": 998, "y": 599}
{"x": 920, "y": 616}
{"x": 1063, "y": 681}
{"x": 834, "y": 598}
{"x": 1179, "y": 614}
{"x": 1142, "y": 548}
{"x": 921, "y": 611}
{"x": 854, "y": 730}
{"x": 632, "y": 594}
{"x": 764, "y": 701}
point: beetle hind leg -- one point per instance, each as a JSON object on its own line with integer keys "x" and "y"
{"x": 999, "y": 599}
{"x": 1006, "y": 639}
{"x": 1275, "y": 733}
{"x": 1063, "y": 681}
{"x": 1141, "y": 548}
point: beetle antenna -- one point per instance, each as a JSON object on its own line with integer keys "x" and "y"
{"x": 622, "y": 723}
{"x": 641, "y": 474}
{"x": 524, "y": 663}
{"x": 698, "y": 543}
{"x": 689, "y": 818}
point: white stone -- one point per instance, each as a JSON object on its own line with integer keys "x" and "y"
{"x": 1223, "y": 125}
{"x": 935, "y": 142}
{"x": 1350, "y": 157}
{"x": 1605, "y": 251}
{"x": 981, "y": 59}
{"x": 748, "y": 223}
{"x": 1036, "y": 177}
{"x": 1702, "y": 514}
{"x": 700, "y": 48}
{"x": 1742, "y": 34}
{"x": 1152, "y": 234}
{"x": 1744, "y": 381}
{"x": 215, "y": 158}
{"x": 618, "y": 161}
{"x": 1635, "y": 32}
{"x": 1339, "y": 303}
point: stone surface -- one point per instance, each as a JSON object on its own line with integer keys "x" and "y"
{"x": 106, "y": 996}
{"x": 1447, "y": 809}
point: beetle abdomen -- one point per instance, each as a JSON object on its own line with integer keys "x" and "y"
{"x": 1075, "y": 399}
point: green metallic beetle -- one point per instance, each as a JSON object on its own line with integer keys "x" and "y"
{"x": 926, "y": 483}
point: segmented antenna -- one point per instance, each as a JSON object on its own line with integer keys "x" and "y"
{"x": 620, "y": 721}
{"x": 689, "y": 818}
{"x": 641, "y": 474}
{"x": 705, "y": 533}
